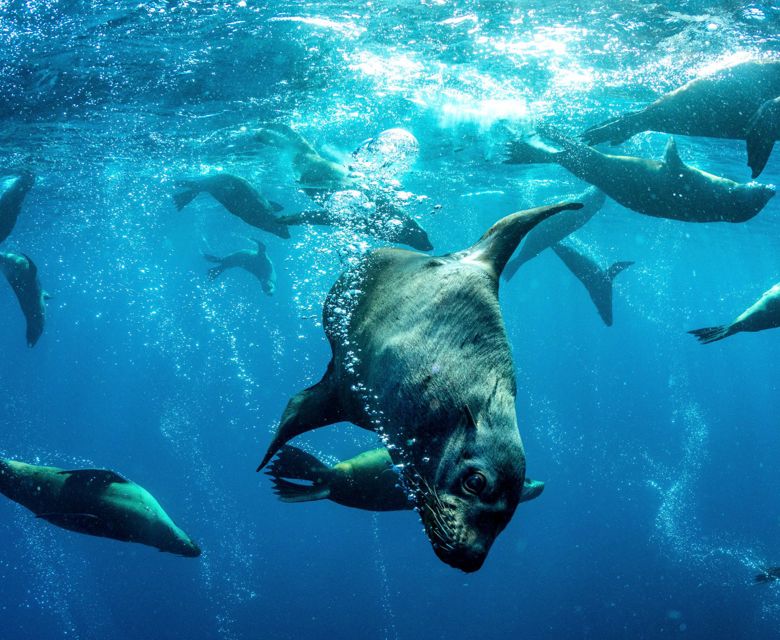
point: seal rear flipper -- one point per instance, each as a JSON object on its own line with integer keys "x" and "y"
{"x": 296, "y": 464}
{"x": 712, "y": 334}
{"x": 531, "y": 489}
{"x": 183, "y": 198}
{"x": 498, "y": 244}
{"x": 292, "y": 492}
{"x": 310, "y": 409}
{"x": 762, "y": 131}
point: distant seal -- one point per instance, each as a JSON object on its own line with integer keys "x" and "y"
{"x": 96, "y": 502}
{"x": 13, "y": 189}
{"x": 380, "y": 219}
{"x": 255, "y": 261}
{"x": 768, "y": 575}
{"x": 596, "y": 280}
{"x": 738, "y": 102}
{"x": 556, "y": 229}
{"x": 237, "y": 196}
{"x": 22, "y": 275}
{"x": 421, "y": 356}
{"x": 763, "y": 314}
{"x": 368, "y": 481}
{"x": 669, "y": 189}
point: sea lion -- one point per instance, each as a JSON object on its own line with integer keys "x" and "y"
{"x": 556, "y": 229}
{"x": 596, "y": 280}
{"x": 738, "y": 102}
{"x": 255, "y": 261}
{"x": 763, "y": 314}
{"x": 22, "y": 275}
{"x": 421, "y": 356}
{"x": 379, "y": 219}
{"x": 769, "y": 575}
{"x": 368, "y": 481}
{"x": 96, "y": 502}
{"x": 237, "y": 196}
{"x": 669, "y": 189}
{"x": 13, "y": 189}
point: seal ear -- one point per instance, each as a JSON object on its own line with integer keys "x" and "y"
{"x": 498, "y": 244}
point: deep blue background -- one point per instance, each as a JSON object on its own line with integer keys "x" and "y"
{"x": 660, "y": 455}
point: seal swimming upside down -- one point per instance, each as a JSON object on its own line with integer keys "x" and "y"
{"x": 368, "y": 481}
{"x": 421, "y": 356}
{"x": 255, "y": 261}
{"x": 13, "y": 189}
{"x": 763, "y": 314}
{"x": 96, "y": 502}
{"x": 22, "y": 275}
{"x": 669, "y": 189}
{"x": 739, "y": 102}
{"x": 237, "y": 196}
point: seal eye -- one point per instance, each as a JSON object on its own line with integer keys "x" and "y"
{"x": 475, "y": 483}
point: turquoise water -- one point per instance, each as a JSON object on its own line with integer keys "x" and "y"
{"x": 658, "y": 454}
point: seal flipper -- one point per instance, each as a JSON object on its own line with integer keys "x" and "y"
{"x": 494, "y": 249}
{"x": 672, "y": 156}
{"x": 309, "y": 409}
{"x": 100, "y": 478}
{"x": 298, "y": 465}
{"x": 762, "y": 131}
{"x": 713, "y": 334}
{"x": 531, "y": 489}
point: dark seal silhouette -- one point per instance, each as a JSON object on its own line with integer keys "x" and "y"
{"x": 255, "y": 261}
{"x": 22, "y": 275}
{"x": 13, "y": 189}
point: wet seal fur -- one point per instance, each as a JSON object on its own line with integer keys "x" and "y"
{"x": 95, "y": 502}
{"x": 421, "y": 356}
{"x": 15, "y": 187}
{"x": 255, "y": 261}
{"x": 22, "y": 275}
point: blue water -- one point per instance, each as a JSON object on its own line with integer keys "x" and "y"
{"x": 659, "y": 454}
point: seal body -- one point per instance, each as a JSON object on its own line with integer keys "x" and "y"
{"x": 13, "y": 189}
{"x": 255, "y": 261}
{"x": 736, "y": 102}
{"x": 237, "y": 196}
{"x": 95, "y": 502}
{"x": 421, "y": 356}
{"x": 368, "y": 481}
{"x": 669, "y": 189}
{"x": 763, "y": 314}
{"x": 22, "y": 275}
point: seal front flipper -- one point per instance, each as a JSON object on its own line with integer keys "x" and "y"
{"x": 494, "y": 249}
{"x": 310, "y": 409}
{"x": 97, "y": 477}
{"x": 79, "y": 522}
{"x": 531, "y": 489}
{"x": 762, "y": 131}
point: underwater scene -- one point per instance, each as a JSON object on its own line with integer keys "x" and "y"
{"x": 389, "y": 320}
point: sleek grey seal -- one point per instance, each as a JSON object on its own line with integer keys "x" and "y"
{"x": 596, "y": 280}
{"x": 255, "y": 261}
{"x": 381, "y": 219}
{"x": 368, "y": 481}
{"x": 556, "y": 229}
{"x": 763, "y": 314}
{"x": 96, "y": 502}
{"x": 13, "y": 189}
{"x": 22, "y": 275}
{"x": 421, "y": 356}
{"x": 737, "y": 102}
{"x": 669, "y": 189}
{"x": 237, "y": 196}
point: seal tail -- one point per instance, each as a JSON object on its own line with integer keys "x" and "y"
{"x": 712, "y": 334}
{"x": 293, "y": 464}
{"x": 614, "y": 131}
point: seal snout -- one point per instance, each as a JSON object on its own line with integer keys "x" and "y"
{"x": 467, "y": 559}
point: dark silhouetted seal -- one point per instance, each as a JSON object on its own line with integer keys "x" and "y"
{"x": 421, "y": 356}
{"x": 768, "y": 575}
{"x": 255, "y": 261}
{"x": 22, "y": 274}
{"x": 668, "y": 189}
{"x": 737, "y": 102}
{"x": 13, "y": 189}
{"x": 237, "y": 196}
{"x": 96, "y": 502}
{"x": 763, "y": 314}
{"x": 368, "y": 481}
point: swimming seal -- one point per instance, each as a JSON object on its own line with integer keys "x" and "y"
{"x": 556, "y": 229}
{"x": 739, "y": 102}
{"x": 763, "y": 314}
{"x": 669, "y": 189}
{"x": 596, "y": 280}
{"x": 769, "y": 575}
{"x": 255, "y": 261}
{"x": 22, "y": 275}
{"x": 368, "y": 481}
{"x": 380, "y": 219}
{"x": 95, "y": 502}
{"x": 421, "y": 356}
{"x": 13, "y": 189}
{"x": 237, "y": 196}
